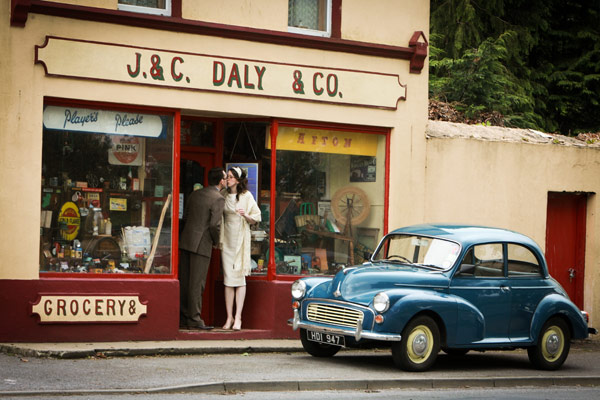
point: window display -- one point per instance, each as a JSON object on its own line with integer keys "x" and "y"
{"x": 106, "y": 191}
{"x": 330, "y": 198}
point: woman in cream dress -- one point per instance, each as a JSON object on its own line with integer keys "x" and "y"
{"x": 239, "y": 213}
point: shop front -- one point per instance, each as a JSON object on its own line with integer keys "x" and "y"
{"x": 123, "y": 133}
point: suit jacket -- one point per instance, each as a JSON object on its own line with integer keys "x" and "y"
{"x": 202, "y": 215}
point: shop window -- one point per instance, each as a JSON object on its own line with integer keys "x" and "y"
{"x": 310, "y": 17}
{"x": 157, "y": 7}
{"x": 245, "y": 147}
{"x": 330, "y": 198}
{"x": 106, "y": 191}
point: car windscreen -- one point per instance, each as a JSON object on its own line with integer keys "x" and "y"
{"x": 417, "y": 250}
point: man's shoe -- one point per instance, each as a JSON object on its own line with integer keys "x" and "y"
{"x": 202, "y": 327}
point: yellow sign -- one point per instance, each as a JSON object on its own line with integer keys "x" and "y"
{"x": 185, "y": 70}
{"x": 69, "y": 220}
{"x": 83, "y": 308}
{"x": 325, "y": 141}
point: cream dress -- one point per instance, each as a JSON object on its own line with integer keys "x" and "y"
{"x": 235, "y": 238}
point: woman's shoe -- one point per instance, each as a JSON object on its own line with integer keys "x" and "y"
{"x": 237, "y": 325}
{"x": 227, "y": 325}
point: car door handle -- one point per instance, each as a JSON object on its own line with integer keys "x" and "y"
{"x": 505, "y": 289}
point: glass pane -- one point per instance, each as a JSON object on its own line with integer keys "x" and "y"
{"x": 418, "y": 250}
{"x": 244, "y": 146}
{"x": 145, "y": 3}
{"x": 197, "y": 133}
{"x": 329, "y": 200}
{"x": 106, "y": 178}
{"x": 308, "y": 14}
{"x": 488, "y": 260}
{"x": 522, "y": 262}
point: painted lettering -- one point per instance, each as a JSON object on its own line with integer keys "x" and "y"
{"x": 99, "y": 306}
{"x": 332, "y": 85}
{"x": 218, "y": 65}
{"x": 347, "y": 142}
{"x": 234, "y": 75}
{"x": 60, "y": 305}
{"x": 298, "y": 85}
{"x": 86, "y": 306}
{"x": 156, "y": 71}
{"x": 131, "y": 307}
{"x": 325, "y": 138}
{"x": 75, "y": 119}
{"x": 247, "y": 84}
{"x": 110, "y": 306}
{"x": 125, "y": 120}
{"x": 136, "y": 72}
{"x": 301, "y": 138}
{"x": 122, "y": 305}
{"x": 176, "y": 76}
{"x": 260, "y": 72}
{"x": 314, "y": 139}
{"x": 334, "y": 141}
{"x": 74, "y": 307}
{"x": 47, "y": 309}
{"x": 317, "y": 90}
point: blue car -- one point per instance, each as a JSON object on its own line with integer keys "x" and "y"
{"x": 448, "y": 287}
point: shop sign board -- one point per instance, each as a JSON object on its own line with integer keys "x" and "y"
{"x": 184, "y": 70}
{"x": 76, "y": 119}
{"x": 324, "y": 141}
{"x": 54, "y": 308}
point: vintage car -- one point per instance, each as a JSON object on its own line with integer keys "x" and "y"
{"x": 448, "y": 287}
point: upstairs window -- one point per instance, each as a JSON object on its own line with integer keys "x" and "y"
{"x": 156, "y": 7}
{"x": 310, "y": 17}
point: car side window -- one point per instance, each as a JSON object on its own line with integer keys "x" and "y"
{"x": 483, "y": 261}
{"x": 522, "y": 261}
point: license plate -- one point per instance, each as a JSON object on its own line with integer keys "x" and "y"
{"x": 327, "y": 338}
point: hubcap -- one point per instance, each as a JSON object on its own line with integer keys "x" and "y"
{"x": 553, "y": 343}
{"x": 419, "y": 344}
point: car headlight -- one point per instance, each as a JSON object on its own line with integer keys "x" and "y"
{"x": 298, "y": 289}
{"x": 381, "y": 302}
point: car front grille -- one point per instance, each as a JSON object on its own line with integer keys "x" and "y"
{"x": 333, "y": 315}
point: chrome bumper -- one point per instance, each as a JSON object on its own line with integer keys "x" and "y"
{"x": 592, "y": 331}
{"x": 357, "y": 332}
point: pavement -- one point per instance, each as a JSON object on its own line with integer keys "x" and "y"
{"x": 226, "y": 366}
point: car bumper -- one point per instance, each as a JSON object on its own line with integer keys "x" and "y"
{"x": 358, "y": 333}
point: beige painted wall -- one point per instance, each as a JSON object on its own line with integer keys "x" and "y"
{"x": 25, "y": 86}
{"x": 506, "y": 185}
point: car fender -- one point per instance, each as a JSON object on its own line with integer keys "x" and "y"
{"x": 317, "y": 287}
{"x": 556, "y": 304}
{"x": 405, "y": 304}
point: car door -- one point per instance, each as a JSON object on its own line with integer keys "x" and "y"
{"x": 485, "y": 287}
{"x": 528, "y": 288}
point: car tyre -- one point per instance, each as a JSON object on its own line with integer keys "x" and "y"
{"x": 316, "y": 349}
{"x": 553, "y": 345}
{"x": 419, "y": 347}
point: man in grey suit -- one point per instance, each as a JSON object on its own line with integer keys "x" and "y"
{"x": 202, "y": 218}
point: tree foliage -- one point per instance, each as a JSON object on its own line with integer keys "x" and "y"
{"x": 535, "y": 62}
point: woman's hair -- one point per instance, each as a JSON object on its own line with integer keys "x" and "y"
{"x": 240, "y": 176}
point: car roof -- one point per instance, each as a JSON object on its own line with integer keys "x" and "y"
{"x": 469, "y": 234}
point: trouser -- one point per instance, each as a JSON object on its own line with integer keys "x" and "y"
{"x": 193, "y": 269}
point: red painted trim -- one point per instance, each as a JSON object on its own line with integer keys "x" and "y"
{"x": 336, "y": 19}
{"x": 176, "y": 24}
{"x": 19, "y": 10}
{"x": 175, "y": 196}
{"x": 176, "y": 9}
{"x": 271, "y": 266}
{"x": 175, "y": 190}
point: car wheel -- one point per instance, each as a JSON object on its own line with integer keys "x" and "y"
{"x": 419, "y": 346}
{"x": 552, "y": 346}
{"x": 317, "y": 349}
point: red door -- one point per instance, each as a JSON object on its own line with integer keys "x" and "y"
{"x": 201, "y": 150}
{"x": 565, "y": 241}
